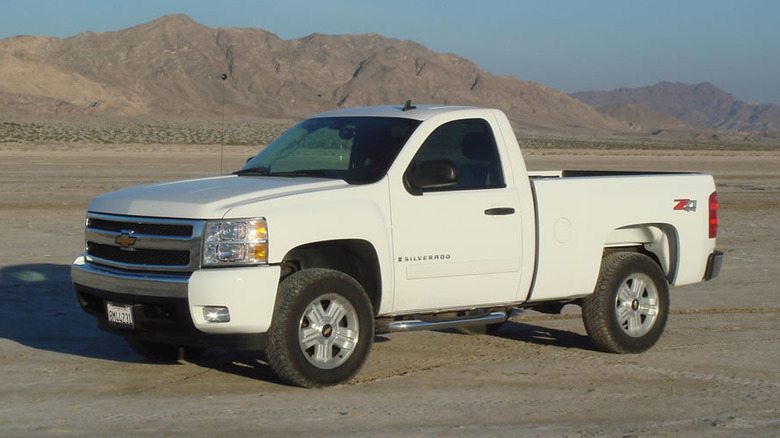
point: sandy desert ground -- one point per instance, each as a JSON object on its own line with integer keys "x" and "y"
{"x": 715, "y": 372}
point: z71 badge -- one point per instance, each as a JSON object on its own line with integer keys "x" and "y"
{"x": 685, "y": 204}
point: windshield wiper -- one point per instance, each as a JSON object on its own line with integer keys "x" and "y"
{"x": 259, "y": 171}
{"x": 320, "y": 173}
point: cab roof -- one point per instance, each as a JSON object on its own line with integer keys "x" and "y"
{"x": 418, "y": 112}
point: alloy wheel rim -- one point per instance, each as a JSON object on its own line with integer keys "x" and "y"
{"x": 328, "y": 331}
{"x": 637, "y": 305}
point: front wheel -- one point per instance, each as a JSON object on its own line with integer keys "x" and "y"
{"x": 628, "y": 310}
{"x": 322, "y": 329}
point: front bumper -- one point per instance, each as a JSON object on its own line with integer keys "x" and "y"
{"x": 169, "y": 308}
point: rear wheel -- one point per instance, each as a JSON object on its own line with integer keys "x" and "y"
{"x": 165, "y": 353}
{"x": 322, "y": 329}
{"x": 628, "y": 310}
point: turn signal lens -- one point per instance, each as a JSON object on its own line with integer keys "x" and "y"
{"x": 261, "y": 251}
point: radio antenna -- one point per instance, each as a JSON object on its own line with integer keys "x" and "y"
{"x": 223, "y": 76}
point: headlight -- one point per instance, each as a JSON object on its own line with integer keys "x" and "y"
{"x": 235, "y": 242}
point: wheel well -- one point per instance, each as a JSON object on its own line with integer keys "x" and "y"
{"x": 636, "y": 249}
{"x": 356, "y": 258}
{"x": 657, "y": 241}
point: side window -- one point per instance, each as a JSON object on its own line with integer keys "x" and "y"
{"x": 470, "y": 146}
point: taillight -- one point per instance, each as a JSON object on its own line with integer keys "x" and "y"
{"x": 713, "y": 215}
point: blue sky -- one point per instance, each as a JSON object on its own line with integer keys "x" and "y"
{"x": 570, "y": 45}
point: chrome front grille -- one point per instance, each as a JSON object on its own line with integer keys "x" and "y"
{"x": 144, "y": 244}
{"x": 152, "y": 229}
{"x": 151, "y": 257}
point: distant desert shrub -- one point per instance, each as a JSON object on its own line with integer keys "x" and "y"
{"x": 243, "y": 133}
{"x": 248, "y": 133}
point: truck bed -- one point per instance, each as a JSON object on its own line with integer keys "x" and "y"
{"x": 580, "y": 212}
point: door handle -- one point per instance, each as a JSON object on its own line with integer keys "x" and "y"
{"x": 500, "y": 211}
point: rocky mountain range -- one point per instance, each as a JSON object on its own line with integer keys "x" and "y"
{"x": 173, "y": 68}
{"x": 701, "y": 104}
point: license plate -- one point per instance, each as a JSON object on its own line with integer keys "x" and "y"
{"x": 120, "y": 315}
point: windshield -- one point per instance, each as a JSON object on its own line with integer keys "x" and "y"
{"x": 358, "y": 150}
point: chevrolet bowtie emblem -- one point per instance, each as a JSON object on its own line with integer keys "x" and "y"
{"x": 125, "y": 240}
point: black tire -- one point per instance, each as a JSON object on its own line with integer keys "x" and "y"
{"x": 322, "y": 329}
{"x": 163, "y": 353}
{"x": 628, "y": 310}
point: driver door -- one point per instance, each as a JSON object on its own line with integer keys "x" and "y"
{"x": 457, "y": 246}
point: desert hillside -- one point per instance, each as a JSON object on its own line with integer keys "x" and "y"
{"x": 702, "y": 104}
{"x": 173, "y": 80}
{"x": 172, "y": 67}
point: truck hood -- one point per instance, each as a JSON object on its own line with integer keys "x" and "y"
{"x": 205, "y": 198}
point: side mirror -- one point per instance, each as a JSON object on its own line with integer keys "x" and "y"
{"x": 432, "y": 174}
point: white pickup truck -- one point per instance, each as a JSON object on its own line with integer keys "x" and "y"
{"x": 387, "y": 219}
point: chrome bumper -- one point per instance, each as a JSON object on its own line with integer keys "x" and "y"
{"x": 117, "y": 281}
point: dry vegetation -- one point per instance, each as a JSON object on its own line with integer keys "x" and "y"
{"x": 246, "y": 133}
{"x": 234, "y": 133}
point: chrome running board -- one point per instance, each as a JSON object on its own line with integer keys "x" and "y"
{"x": 410, "y": 325}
